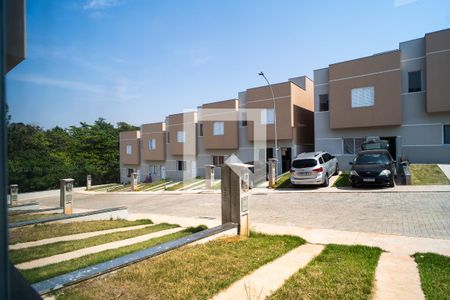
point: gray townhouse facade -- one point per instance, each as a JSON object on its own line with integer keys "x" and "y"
{"x": 402, "y": 96}
{"x": 181, "y": 146}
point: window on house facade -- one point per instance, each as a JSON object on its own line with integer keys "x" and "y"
{"x": 129, "y": 172}
{"x": 129, "y": 150}
{"x": 244, "y": 119}
{"x": 218, "y": 128}
{"x": 218, "y": 160}
{"x": 363, "y": 97}
{"x": 323, "y": 102}
{"x": 353, "y": 145}
{"x": 181, "y": 137}
{"x": 152, "y": 144}
{"x": 268, "y": 116}
{"x": 414, "y": 81}
{"x": 447, "y": 134}
{"x": 200, "y": 129}
{"x": 181, "y": 165}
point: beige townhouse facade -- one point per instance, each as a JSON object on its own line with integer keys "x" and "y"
{"x": 180, "y": 147}
{"x": 402, "y": 96}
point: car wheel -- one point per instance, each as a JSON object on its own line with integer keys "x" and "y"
{"x": 391, "y": 182}
{"x": 326, "y": 181}
{"x": 336, "y": 172}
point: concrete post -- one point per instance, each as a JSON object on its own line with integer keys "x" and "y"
{"x": 209, "y": 176}
{"x": 133, "y": 182}
{"x": 66, "y": 197}
{"x": 235, "y": 183}
{"x": 272, "y": 172}
{"x": 13, "y": 194}
{"x": 88, "y": 182}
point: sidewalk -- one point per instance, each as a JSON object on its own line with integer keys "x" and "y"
{"x": 445, "y": 169}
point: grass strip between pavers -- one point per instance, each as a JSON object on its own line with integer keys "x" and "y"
{"x": 434, "y": 270}
{"x": 427, "y": 174}
{"x": 197, "y": 272}
{"x": 42, "y": 273}
{"x": 31, "y": 216}
{"x": 339, "y": 272}
{"x": 32, "y": 253}
{"x": 181, "y": 185}
{"x": 284, "y": 181}
{"x": 342, "y": 181}
{"x": 45, "y": 231}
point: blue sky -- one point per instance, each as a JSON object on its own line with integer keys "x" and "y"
{"x": 140, "y": 60}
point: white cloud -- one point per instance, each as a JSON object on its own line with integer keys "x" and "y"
{"x": 398, "y": 3}
{"x": 59, "y": 83}
{"x": 100, "y": 4}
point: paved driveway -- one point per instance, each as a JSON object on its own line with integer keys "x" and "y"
{"x": 411, "y": 214}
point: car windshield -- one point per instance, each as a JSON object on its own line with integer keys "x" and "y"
{"x": 372, "y": 158}
{"x": 304, "y": 163}
{"x": 375, "y": 145}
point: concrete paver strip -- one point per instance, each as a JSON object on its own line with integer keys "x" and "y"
{"x": 268, "y": 278}
{"x": 445, "y": 169}
{"x": 73, "y": 237}
{"x": 407, "y": 214}
{"x": 397, "y": 277}
{"x": 82, "y": 252}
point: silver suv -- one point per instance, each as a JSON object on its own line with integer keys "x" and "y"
{"x": 313, "y": 168}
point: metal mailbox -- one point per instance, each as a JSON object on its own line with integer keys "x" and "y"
{"x": 88, "y": 182}
{"x": 14, "y": 194}
{"x": 66, "y": 195}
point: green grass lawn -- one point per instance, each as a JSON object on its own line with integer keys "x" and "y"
{"x": 427, "y": 174}
{"x": 146, "y": 186}
{"x": 284, "y": 181}
{"x": 181, "y": 184}
{"x": 434, "y": 273}
{"x": 339, "y": 272}
{"x": 45, "y": 231}
{"x": 49, "y": 271}
{"x": 342, "y": 181}
{"x": 32, "y": 253}
{"x": 28, "y": 217}
{"x": 197, "y": 272}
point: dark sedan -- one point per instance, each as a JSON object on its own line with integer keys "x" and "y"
{"x": 373, "y": 167}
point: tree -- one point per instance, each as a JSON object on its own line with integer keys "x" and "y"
{"x": 39, "y": 158}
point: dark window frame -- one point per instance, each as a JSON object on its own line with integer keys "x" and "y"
{"x": 413, "y": 86}
{"x": 218, "y": 160}
{"x": 444, "y": 132}
{"x": 324, "y": 103}
{"x": 182, "y": 165}
{"x": 200, "y": 129}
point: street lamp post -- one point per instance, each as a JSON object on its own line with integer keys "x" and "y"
{"x": 275, "y": 120}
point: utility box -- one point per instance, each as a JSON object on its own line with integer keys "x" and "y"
{"x": 209, "y": 176}
{"x": 13, "y": 194}
{"x": 66, "y": 195}
{"x": 88, "y": 182}
{"x": 272, "y": 172}
{"x": 134, "y": 182}
{"x": 235, "y": 195}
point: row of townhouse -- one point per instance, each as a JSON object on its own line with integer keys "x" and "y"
{"x": 181, "y": 146}
{"x": 402, "y": 96}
